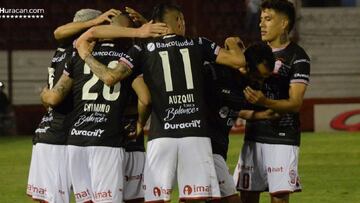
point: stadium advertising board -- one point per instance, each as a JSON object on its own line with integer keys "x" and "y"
{"x": 337, "y": 117}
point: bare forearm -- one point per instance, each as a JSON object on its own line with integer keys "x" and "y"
{"x": 253, "y": 115}
{"x": 110, "y": 31}
{"x": 283, "y": 106}
{"x": 105, "y": 74}
{"x": 144, "y": 113}
{"x": 71, "y": 29}
{"x": 54, "y": 96}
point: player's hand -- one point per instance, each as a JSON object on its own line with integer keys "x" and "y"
{"x": 84, "y": 48}
{"x": 106, "y": 17}
{"x": 136, "y": 16}
{"x": 254, "y": 96}
{"x": 233, "y": 41}
{"x": 243, "y": 70}
{"x": 151, "y": 29}
{"x": 130, "y": 130}
{"x": 268, "y": 114}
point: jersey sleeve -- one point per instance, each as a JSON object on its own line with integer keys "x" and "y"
{"x": 69, "y": 65}
{"x": 210, "y": 49}
{"x": 133, "y": 59}
{"x": 300, "y": 70}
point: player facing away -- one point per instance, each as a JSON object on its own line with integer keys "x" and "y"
{"x": 269, "y": 156}
{"x": 49, "y": 180}
{"x": 179, "y": 147}
{"x": 95, "y": 141}
{"x": 134, "y": 155}
{"x": 226, "y": 103}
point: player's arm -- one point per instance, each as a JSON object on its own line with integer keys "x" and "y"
{"x": 144, "y": 103}
{"x": 54, "y": 96}
{"x": 268, "y": 114}
{"x": 110, "y": 76}
{"x": 136, "y": 16}
{"x": 142, "y": 90}
{"x": 232, "y": 56}
{"x": 111, "y": 31}
{"x": 292, "y": 104}
{"x": 73, "y": 28}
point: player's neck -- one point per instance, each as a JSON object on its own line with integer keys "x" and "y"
{"x": 280, "y": 42}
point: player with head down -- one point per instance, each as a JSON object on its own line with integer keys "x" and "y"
{"x": 95, "y": 140}
{"x": 49, "y": 180}
{"x": 179, "y": 145}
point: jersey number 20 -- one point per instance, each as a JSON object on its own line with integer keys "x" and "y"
{"x": 109, "y": 96}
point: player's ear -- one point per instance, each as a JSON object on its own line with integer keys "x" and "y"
{"x": 178, "y": 22}
{"x": 285, "y": 23}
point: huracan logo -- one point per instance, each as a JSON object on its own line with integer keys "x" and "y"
{"x": 339, "y": 122}
{"x": 196, "y": 189}
{"x": 187, "y": 190}
{"x": 157, "y": 192}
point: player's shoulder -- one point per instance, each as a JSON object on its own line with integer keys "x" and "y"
{"x": 299, "y": 51}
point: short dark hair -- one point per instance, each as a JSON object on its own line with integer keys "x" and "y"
{"x": 282, "y": 6}
{"x": 132, "y": 24}
{"x": 258, "y": 53}
{"x": 160, "y": 10}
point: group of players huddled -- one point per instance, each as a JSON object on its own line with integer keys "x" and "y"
{"x": 114, "y": 70}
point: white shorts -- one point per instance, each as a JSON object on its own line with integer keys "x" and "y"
{"x": 272, "y": 167}
{"x": 97, "y": 173}
{"x": 49, "y": 178}
{"x": 226, "y": 181}
{"x": 134, "y": 175}
{"x": 188, "y": 159}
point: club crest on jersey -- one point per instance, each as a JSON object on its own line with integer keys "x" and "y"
{"x": 224, "y": 112}
{"x": 150, "y": 46}
{"x": 278, "y": 64}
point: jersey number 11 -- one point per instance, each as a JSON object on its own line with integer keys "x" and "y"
{"x": 167, "y": 72}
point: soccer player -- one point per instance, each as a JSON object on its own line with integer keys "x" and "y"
{"x": 49, "y": 180}
{"x": 179, "y": 144}
{"x": 134, "y": 155}
{"x": 95, "y": 141}
{"x": 269, "y": 156}
{"x": 69, "y": 30}
{"x": 226, "y": 103}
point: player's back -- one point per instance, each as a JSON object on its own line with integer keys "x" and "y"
{"x": 98, "y": 108}
{"x": 172, "y": 67}
{"x": 54, "y": 124}
{"x": 225, "y": 98}
{"x": 130, "y": 118}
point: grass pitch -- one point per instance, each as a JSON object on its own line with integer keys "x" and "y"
{"x": 329, "y": 167}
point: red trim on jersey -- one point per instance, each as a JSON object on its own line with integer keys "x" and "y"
{"x": 37, "y": 200}
{"x": 199, "y": 198}
{"x": 157, "y": 201}
{"x": 284, "y": 192}
{"x": 127, "y": 62}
